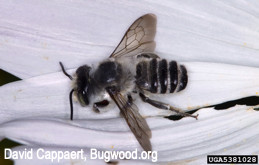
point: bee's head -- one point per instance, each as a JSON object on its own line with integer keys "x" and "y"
{"x": 82, "y": 84}
{"x": 82, "y": 87}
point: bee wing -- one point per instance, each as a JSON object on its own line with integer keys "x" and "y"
{"x": 138, "y": 38}
{"x": 135, "y": 121}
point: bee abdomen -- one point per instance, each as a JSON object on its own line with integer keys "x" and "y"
{"x": 163, "y": 75}
{"x": 160, "y": 76}
{"x": 183, "y": 78}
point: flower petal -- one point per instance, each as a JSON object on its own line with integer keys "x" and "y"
{"x": 47, "y": 96}
{"x": 216, "y": 132}
{"x": 45, "y": 33}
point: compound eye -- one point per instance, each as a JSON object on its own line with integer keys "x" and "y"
{"x": 83, "y": 97}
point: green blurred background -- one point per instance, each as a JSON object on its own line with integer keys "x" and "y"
{"x": 5, "y": 78}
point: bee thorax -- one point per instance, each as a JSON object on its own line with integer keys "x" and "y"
{"x": 108, "y": 73}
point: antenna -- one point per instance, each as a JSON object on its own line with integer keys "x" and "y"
{"x": 63, "y": 69}
{"x": 71, "y": 92}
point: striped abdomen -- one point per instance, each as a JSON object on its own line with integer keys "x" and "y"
{"x": 160, "y": 76}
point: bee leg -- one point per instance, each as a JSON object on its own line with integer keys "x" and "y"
{"x": 165, "y": 106}
{"x": 130, "y": 99}
{"x": 102, "y": 103}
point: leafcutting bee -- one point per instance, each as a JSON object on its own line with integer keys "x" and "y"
{"x": 133, "y": 67}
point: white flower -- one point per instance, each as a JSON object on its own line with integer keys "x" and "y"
{"x": 35, "y": 36}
